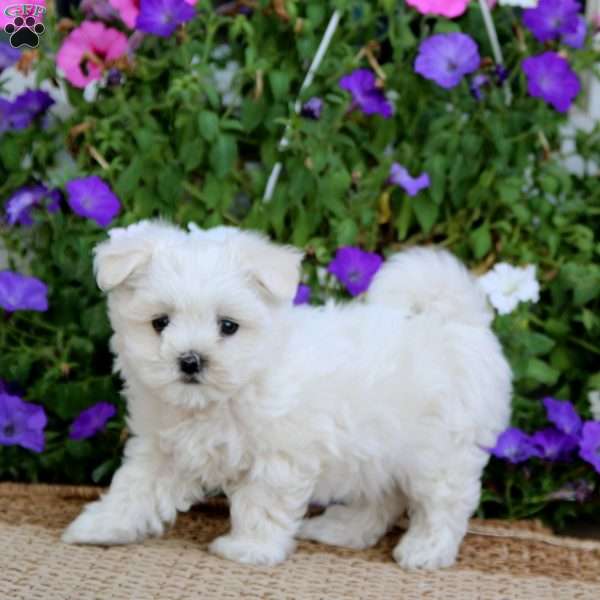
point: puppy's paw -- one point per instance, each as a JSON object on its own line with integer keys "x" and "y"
{"x": 330, "y": 531}
{"x": 249, "y": 551}
{"x": 427, "y": 552}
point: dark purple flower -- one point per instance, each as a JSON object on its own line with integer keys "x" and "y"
{"x": 447, "y": 57}
{"x": 589, "y": 445}
{"x": 5, "y": 108}
{"x": 8, "y": 56}
{"x": 478, "y": 82}
{"x": 574, "y": 491}
{"x": 550, "y": 77}
{"x": 302, "y": 294}
{"x": 399, "y": 175}
{"x": 91, "y": 420}
{"x": 576, "y": 39}
{"x": 552, "y": 18}
{"x": 20, "y": 205}
{"x": 563, "y": 415}
{"x": 501, "y": 73}
{"x": 162, "y": 17}
{"x": 21, "y": 423}
{"x": 26, "y": 107}
{"x": 21, "y": 292}
{"x": 92, "y": 198}
{"x": 355, "y": 268}
{"x": 312, "y": 108}
{"x": 366, "y": 95}
{"x": 514, "y": 445}
{"x": 553, "y": 444}
{"x": 114, "y": 77}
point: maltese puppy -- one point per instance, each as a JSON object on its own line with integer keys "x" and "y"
{"x": 372, "y": 408}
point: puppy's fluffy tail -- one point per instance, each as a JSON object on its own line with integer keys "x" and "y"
{"x": 427, "y": 280}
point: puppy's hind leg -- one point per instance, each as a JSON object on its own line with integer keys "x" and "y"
{"x": 358, "y": 525}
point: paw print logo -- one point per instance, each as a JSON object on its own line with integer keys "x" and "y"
{"x": 24, "y": 32}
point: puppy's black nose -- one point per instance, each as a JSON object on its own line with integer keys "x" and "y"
{"x": 191, "y": 363}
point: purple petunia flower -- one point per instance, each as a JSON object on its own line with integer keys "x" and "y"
{"x": 20, "y": 205}
{"x": 576, "y": 39}
{"x": 589, "y": 446}
{"x": 92, "y": 198}
{"x": 21, "y": 423}
{"x": 366, "y": 95}
{"x": 91, "y": 420}
{"x": 21, "y": 292}
{"x": 550, "y": 77}
{"x": 26, "y": 107}
{"x": 553, "y": 444}
{"x": 447, "y": 57}
{"x": 478, "y": 82}
{"x": 302, "y": 295}
{"x": 399, "y": 175}
{"x": 8, "y": 56}
{"x": 312, "y": 108}
{"x": 552, "y": 18}
{"x": 162, "y": 17}
{"x": 355, "y": 268}
{"x": 563, "y": 415}
{"x": 514, "y": 445}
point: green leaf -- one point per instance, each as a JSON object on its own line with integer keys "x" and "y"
{"x": 481, "y": 241}
{"x": 280, "y": 84}
{"x": 208, "y": 125}
{"x": 223, "y": 155}
{"x": 541, "y": 372}
{"x": 426, "y": 212}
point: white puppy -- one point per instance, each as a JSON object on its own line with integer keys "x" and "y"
{"x": 373, "y": 407}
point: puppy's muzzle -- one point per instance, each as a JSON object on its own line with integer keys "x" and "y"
{"x": 191, "y": 364}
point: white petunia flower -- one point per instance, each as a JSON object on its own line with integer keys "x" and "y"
{"x": 594, "y": 399}
{"x": 506, "y": 286}
{"x": 220, "y": 52}
{"x": 521, "y": 3}
{"x": 224, "y": 79}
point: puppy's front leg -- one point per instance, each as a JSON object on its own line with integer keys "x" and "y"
{"x": 266, "y": 513}
{"x": 144, "y": 495}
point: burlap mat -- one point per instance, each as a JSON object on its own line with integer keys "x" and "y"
{"x": 497, "y": 560}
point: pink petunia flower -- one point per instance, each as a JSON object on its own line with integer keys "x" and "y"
{"x": 129, "y": 10}
{"x": 85, "y": 52}
{"x": 444, "y": 8}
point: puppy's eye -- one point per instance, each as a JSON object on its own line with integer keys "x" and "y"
{"x": 228, "y": 327}
{"x": 160, "y": 323}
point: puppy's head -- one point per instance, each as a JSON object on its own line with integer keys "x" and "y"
{"x": 193, "y": 313}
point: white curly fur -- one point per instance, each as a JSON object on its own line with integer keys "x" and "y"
{"x": 372, "y": 408}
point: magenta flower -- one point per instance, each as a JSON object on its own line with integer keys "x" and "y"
{"x": 355, "y": 268}
{"x": 563, "y": 415}
{"x": 365, "y": 94}
{"x": 8, "y": 56}
{"x": 446, "y": 58}
{"x": 553, "y": 444}
{"x": 162, "y": 17}
{"x": 576, "y": 38}
{"x": 21, "y": 423}
{"x": 552, "y": 18}
{"x": 399, "y": 175}
{"x": 91, "y": 421}
{"x": 589, "y": 446}
{"x": 21, "y": 204}
{"x": 92, "y": 198}
{"x": 128, "y": 11}
{"x": 550, "y": 77}
{"x": 312, "y": 108}
{"x": 21, "y": 292}
{"x": 444, "y": 8}
{"x": 302, "y": 294}
{"x": 514, "y": 446}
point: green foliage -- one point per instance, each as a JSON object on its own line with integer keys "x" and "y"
{"x": 169, "y": 145}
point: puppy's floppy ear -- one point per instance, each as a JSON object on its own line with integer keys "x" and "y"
{"x": 274, "y": 267}
{"x": 128, "y": 249}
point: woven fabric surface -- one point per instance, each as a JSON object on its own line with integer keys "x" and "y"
{"x": 497, "y": 561}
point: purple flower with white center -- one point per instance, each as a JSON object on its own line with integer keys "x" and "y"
{"x": 91, "y": 197}
{"x": 355, "y": 268}
{"x": 20, "y": 205}
{"x": 553, "y": 444}
{"x": 399, "y": 175}
{"x": 361, "y": 83}
{"x": 573, "y": 491}
{"x": 447, "y": 57}
{"x": 26, "y": 107}
{"x": 302, "y": 294}
{"x": 312, "y": 108}
{"x": 576, "y": 39}
{"x": 21, "y": 292}
{"x": 91, "y": 421}
{"x": 552, "y": 18}
{"x": 21, "y": 423}
{"x": 563, "y": 415}
{"x": 589, "y": 446}
{"x": 8, "y": 56}
{"x": 550, "y": 77}
{"x": 162, "y": 17}
{"x": 514, "y": 445}
{"x": 478, "y": 82}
